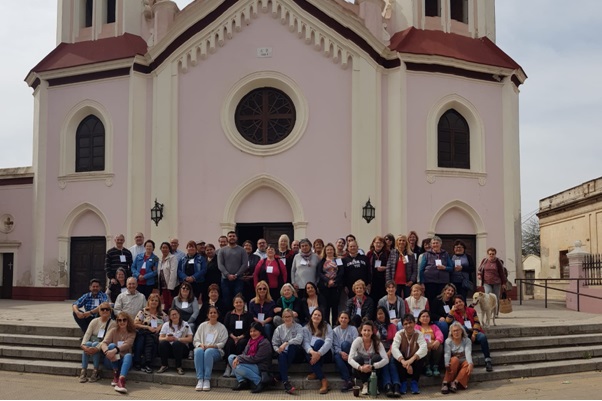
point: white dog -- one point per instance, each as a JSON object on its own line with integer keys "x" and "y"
{"x": 487, "y": 304}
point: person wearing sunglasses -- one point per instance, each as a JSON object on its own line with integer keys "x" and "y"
{"x": 117, "y": 347}
{"x": 90, "y": 345}
{"x": 262, "y": 308}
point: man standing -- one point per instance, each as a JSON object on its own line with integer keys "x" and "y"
{"x": 90, "y": 302}
{"x": 131, "y": 301}
{"x": 262, "y": 244}
{"x": 175, "y": 243}
{"x": 117, "y": 257}
{"x": 356, "y": 267}
{"x": 232, "y": 262}
{"x": 138, "y": 247}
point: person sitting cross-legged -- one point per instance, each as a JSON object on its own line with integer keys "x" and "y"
{"x": 409, "y": 349}
{"x": 255, "y": 359}
{"x": 90, "y": 302}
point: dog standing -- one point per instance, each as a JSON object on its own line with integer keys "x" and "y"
{"x": 487, "y": 304}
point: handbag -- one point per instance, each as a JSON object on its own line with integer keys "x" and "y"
{"x": 505, "y": 303}
{"x": 466, "y": 283}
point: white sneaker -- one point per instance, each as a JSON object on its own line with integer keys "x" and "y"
{"x": 365, "y": 389}
{"x": 199, "y": 385}
{"x": 206, "y": 385}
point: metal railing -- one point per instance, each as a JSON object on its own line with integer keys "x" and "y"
{"x": 531, "y": 281}
{"x": 592, "y": 269}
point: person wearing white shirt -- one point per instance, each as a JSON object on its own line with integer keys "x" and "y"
{"x": 367, "y": 353}
{"x": 138, "y": 246}
{"x": 262, "y": 246}
{"x": 409, "y": 348}
{"x": 130, "y": 301}
{"x": 174, "y": 338}
{"x": 209, "y": 342}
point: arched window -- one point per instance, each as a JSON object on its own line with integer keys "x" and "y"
{"x": 453, "y": 141}
{"x": 265, "y": 116}
{"x": 90, "y": 145}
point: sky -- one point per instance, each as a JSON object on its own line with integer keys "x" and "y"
{"x": 557, "y": 43}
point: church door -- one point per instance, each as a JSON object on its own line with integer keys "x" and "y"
{"x": 270, "y": 231}
{"x": 87, "y": 262}
{"x": 6, "y": 285}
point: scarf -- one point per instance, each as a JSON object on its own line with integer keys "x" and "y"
{"x": 305, "y": 256}
{"x": 288, "y": 304}
{"x": 253, "y": 345}
{"x": 358, "y": 303}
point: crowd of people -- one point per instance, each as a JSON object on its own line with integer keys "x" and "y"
{"x": 399, "y": 309}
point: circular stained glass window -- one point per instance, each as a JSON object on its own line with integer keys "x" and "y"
{"x": 265, "y": 116}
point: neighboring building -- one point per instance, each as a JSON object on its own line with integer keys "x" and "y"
{"x": 264, "y": 116}
{"x": 572, "y": 215}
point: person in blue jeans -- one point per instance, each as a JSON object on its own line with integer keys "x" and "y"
{"x": 209, "y": 341}
{"x": 317, "y": 343}
{"x": 286, "y": 342}
{"x": 117, "y": 347}
{"x": 95, "y": 333}
{"x": 343, "y": 336}
{"x": 255, "y": 359}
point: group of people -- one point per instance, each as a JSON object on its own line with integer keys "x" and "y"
{"x": 399, "y": 309}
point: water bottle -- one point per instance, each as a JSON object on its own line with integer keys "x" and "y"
{"x": 373, "y": 384}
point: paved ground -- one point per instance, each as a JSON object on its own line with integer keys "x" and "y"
{"x": 531, "y": 313}
{"x": 20, "y": 386}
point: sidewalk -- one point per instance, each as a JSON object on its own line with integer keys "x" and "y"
{"x": 38, "y": 386}
{"x": 530, "y": 314}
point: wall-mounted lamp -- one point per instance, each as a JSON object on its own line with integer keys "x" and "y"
{"x": 368, "y": 212}
{"x": 157, "y": 212}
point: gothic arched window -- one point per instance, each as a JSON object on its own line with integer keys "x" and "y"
{"x": 90, "y": 145}
{"x": 453, "y": 141}
{"x": 265, "y": 116}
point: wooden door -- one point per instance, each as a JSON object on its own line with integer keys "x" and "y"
{"x": 6, "y": 289}
{"x": 87, "y": 261}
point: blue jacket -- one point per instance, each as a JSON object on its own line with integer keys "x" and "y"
{"x": 428, "y": 270}
{"x": 200, "y": 268}
{"x": 151, "y": 268}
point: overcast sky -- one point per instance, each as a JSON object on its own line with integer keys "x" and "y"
{"x": 558, "y": 44}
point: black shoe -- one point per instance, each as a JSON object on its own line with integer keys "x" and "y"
{"x": 488, "y": 366}
{"x": 146, "y": 369}
{"x": 389, "y": 390}
{"x": 243, "y": 385}
{"x": 396, "y": 391}
{"x": 258, "y": 388}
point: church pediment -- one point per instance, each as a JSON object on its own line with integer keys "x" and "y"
{"x": 324, "y": 25}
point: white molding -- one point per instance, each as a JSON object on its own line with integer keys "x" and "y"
{"x": 83, "y": 69}
{"x": 254, "y": 183}
{"x": 477, "y": 139}
{"x": 67, "y": 134}
{"x": 86, "y": 176}
{"x": 308, "y": 28}
{"x": 257, "y": 80}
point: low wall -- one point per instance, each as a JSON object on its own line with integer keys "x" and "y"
{"x": 586, "y": 304}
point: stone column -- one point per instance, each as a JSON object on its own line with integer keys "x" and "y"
{"x": 576, "y": 258}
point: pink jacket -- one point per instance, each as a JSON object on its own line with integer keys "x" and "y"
{"x": 436, "y": 331}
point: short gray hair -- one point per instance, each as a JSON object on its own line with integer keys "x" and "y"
{"x": 436, "y": 238}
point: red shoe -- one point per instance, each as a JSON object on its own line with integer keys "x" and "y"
{"x": 120, "y": 387}
{"x": 115, "y": 378}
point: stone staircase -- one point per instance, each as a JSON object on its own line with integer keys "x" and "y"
{"x": 516, "y": 352}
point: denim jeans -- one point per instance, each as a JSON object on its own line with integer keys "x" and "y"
{"x": 497, "y": 290}
{"x": 444, "y": 327}
{"x": 342, "y": 366}
{"x": 203, "y": 362}
{"x": 95, "y": 357}
{"x": 231, "y": 288}
{"x": 245, "y": 371}
{"x": 122, "y": 365}
{"x": 317, "y": 367}
{"x": 390, "y": 374}
{"x": 481, "y": 339}
{"x": 286, "y": 359}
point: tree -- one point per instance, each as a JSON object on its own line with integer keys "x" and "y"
{"x": 531, "y": 245}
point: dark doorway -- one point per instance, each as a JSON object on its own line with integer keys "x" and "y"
{"x": 471, "y": 247}
{"x": 270, "y": 231}
{"x": 6, "y": 290}
{"x": 87, "y": 262}
{"x": 529, "y": 275}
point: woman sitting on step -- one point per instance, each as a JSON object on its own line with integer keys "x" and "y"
{"x": 148, "y": 323}
{"x": 237, "y": 322}
{"x": 457, "y": 358}
{"x": 317, "y": 342}
{"x": 251, "y": 366}
{"x": 287, "y": 343}
{"x": 95, "y": 333}
{"x": 343, "y": 336}
{"x": 209, "y": 341}
{"x": 117, "y": 347}
{"x": 173, "y": 341}
{"x": 367, "y": 354}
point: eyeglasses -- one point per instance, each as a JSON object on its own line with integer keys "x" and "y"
{"x": 121, "y": 320}
{"x": 186, "y": 288}
{"x": 105, "y": 309}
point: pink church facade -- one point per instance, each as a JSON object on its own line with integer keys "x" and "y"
{"x": 369, "y": 85}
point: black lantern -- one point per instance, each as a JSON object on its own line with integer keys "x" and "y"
{"x": 157, "y": 212}
{"x": 368, "y": 212}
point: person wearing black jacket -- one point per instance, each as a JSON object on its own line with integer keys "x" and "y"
{"x": 378, "y": 257}
{"x": 237, "y": 322}
{"x": 464, "y": 267}
{"x": 248, "y": 291}
{"x": 356, "y": 267}
{"x": 330, "y": 282}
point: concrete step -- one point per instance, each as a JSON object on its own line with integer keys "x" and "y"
{"x": 501, "y": 372}
{"x": 570, "y": 353}
{"x": 50, "y": 331}
{"x": 509, "y": 331}
{"x": 545, "y": 341}
{"x": 38, "y": 340}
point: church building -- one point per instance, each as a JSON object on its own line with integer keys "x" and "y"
{"x": 263, "y": 117}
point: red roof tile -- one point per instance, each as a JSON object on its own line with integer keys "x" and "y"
{"x": 438, "y": 43}
{"x": 67, "y": 55}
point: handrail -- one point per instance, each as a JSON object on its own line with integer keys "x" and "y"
{"x": 531, "y": 281}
